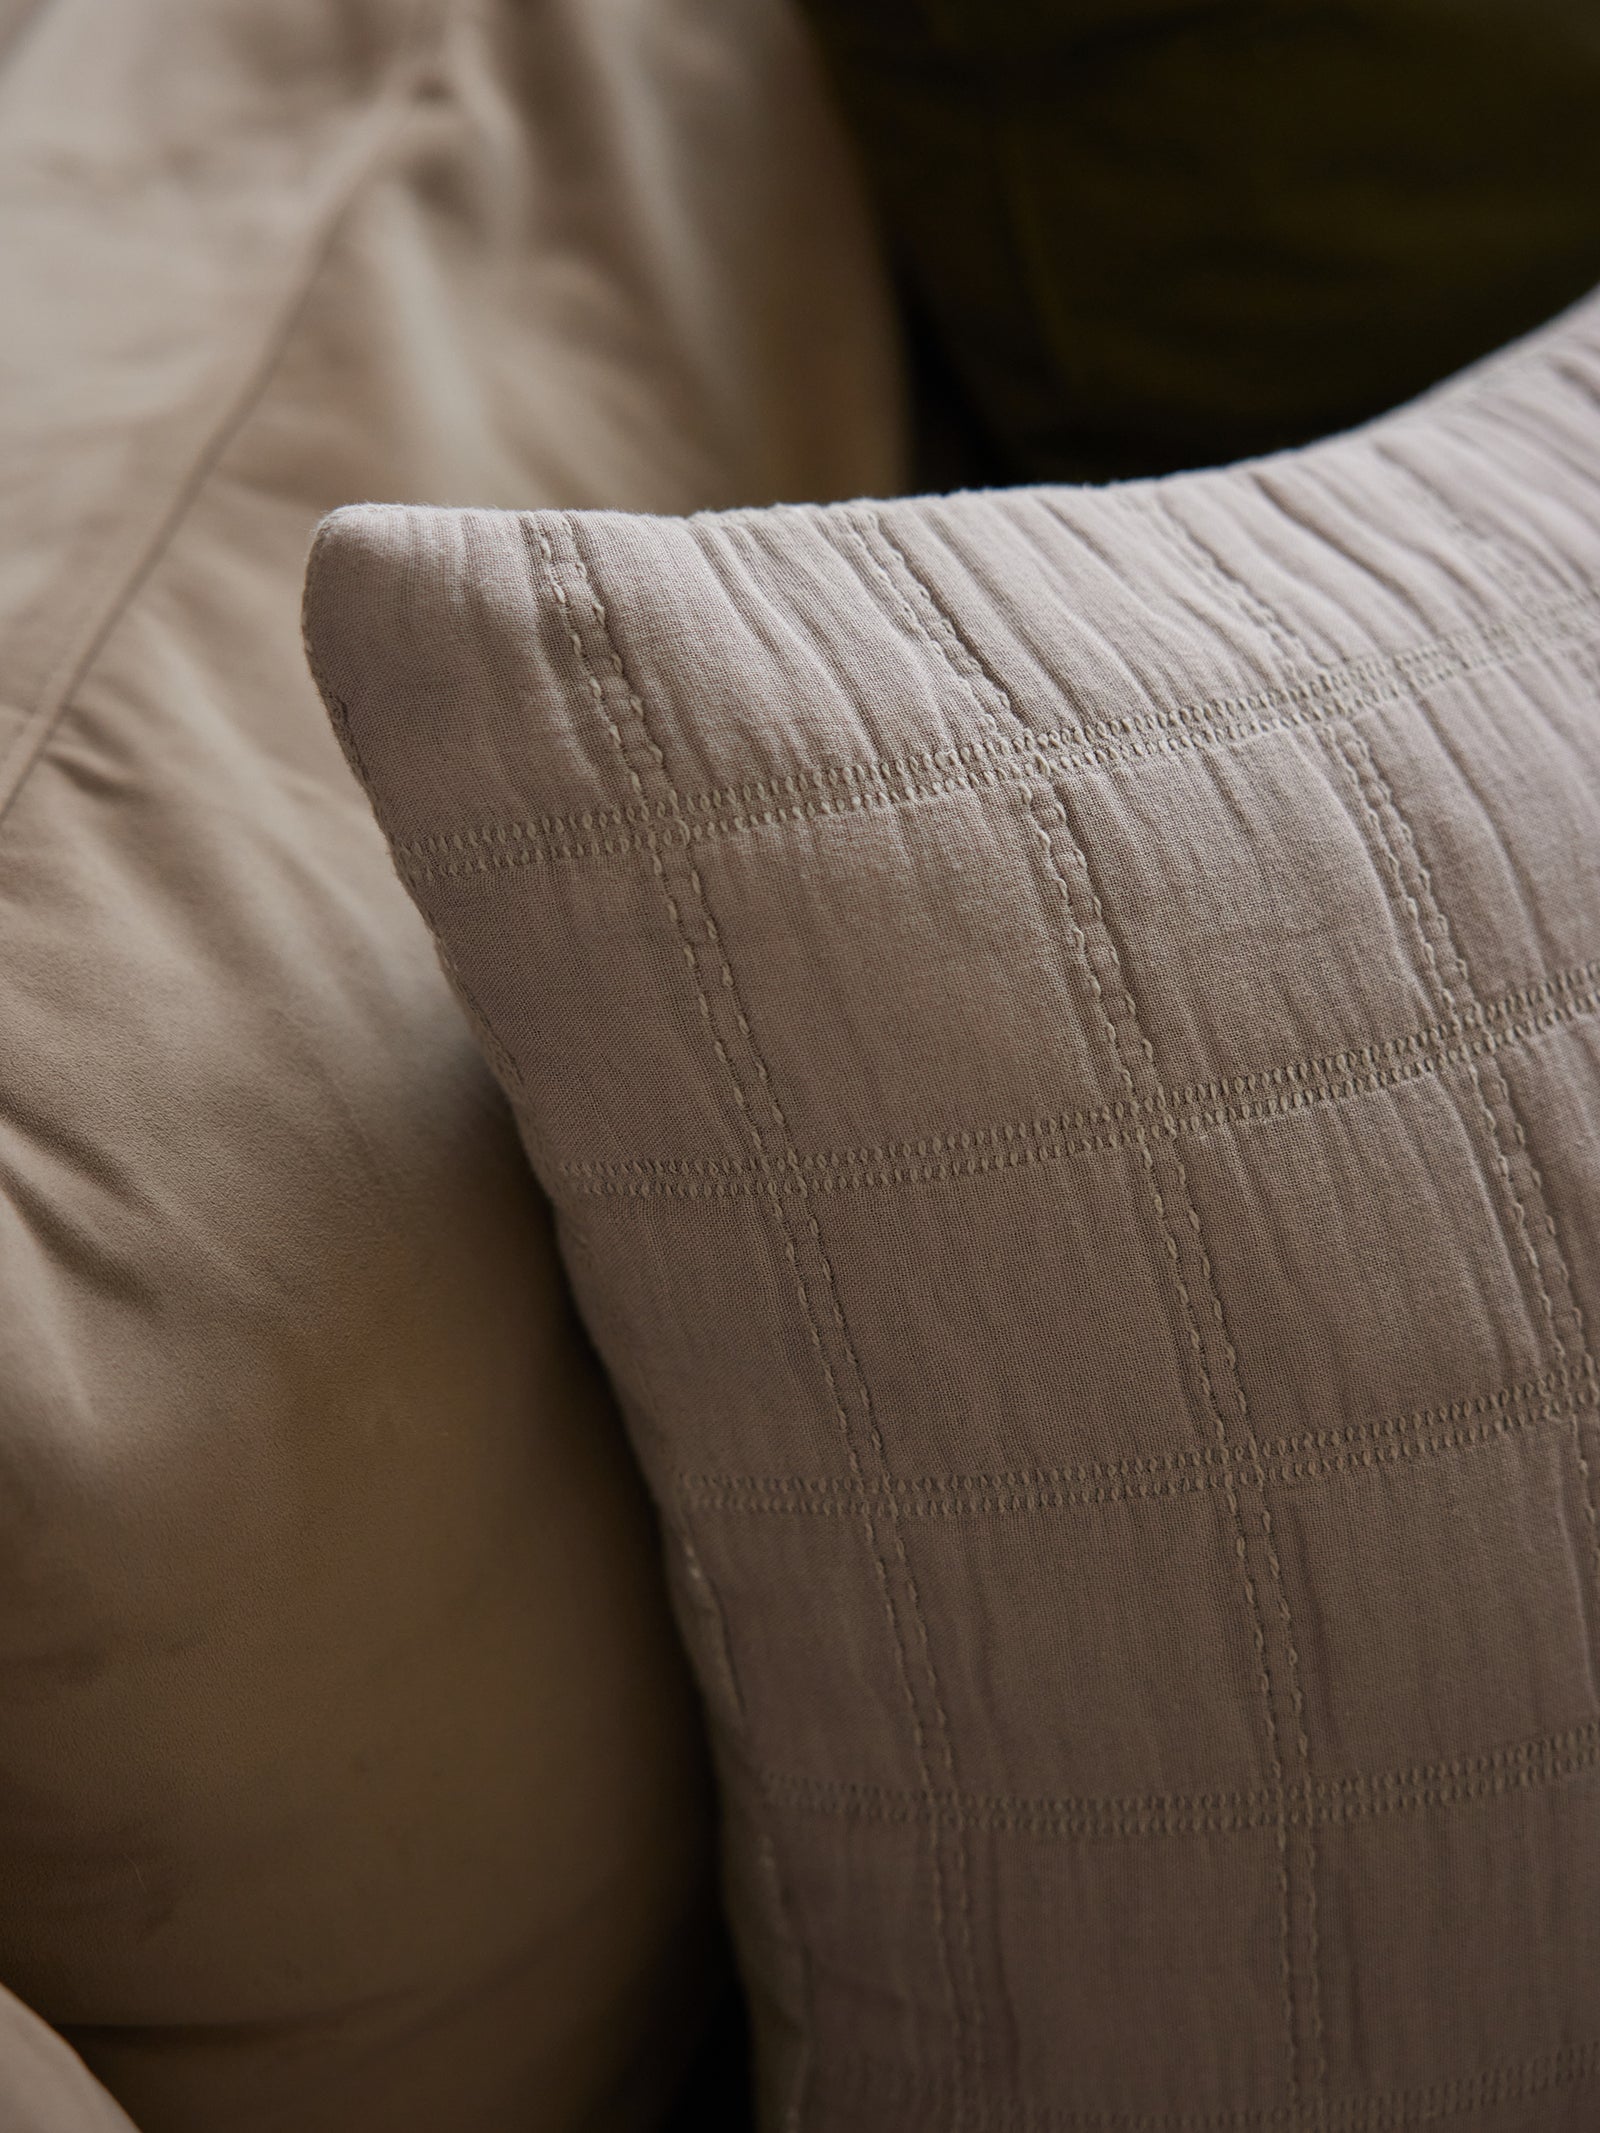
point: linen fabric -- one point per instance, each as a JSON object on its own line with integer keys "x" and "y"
{"x": 1061, "y": 1027}
{"x": 349, "y": 1778}
{"x": 44, "y": 2086}
{"x": 1151, "y": 234}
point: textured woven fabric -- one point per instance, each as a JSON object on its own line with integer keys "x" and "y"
{"x": 1061, "y": 1027}
{"x": 349, "y": 1778}
{"x": 44, "y": 2087}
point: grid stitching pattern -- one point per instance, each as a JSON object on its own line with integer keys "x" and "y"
{"x": 1456, "y": 1781}
{"x": 963, "y": 2017}
{"x": 1447, "y": 974}
{"x": 1480, "y": 1029}
{"x": 1546, "y": 2075}
{"x": 1214, "y": 1359}
{"x": 1533, "y": 1232}
{"x": 994, "y": 758}
{"x": 1460, "y": 1425}
{"x": 1388, "y": 1705}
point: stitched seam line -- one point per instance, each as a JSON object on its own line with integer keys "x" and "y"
{"x": 985, "y": 762}
{"x": 1462, "y": 1425}
{"x": 1456, "y": 1781}
{"x": 948, "y": 640}
{"x": 1301, "y": 1086}
{"x": 1415, "y": 890}
{"x": 969, "y": 2014}
{"x": 391, "y": 107}
{"x": 1235, "y": 593}
{"x": 1389, "y": 2112}
{"x": 781, "y": 1213}
{"x": 1515, "y": 575}
{"x": 875, "y": 568}
{"x": 1285, "y": 639}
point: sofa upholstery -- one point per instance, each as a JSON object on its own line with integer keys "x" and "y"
{"x": 348, "y": 1775}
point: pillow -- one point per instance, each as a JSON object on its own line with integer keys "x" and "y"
{"x": 1063, "y": 1032}
{"x": 1162, "y": 233}
{"x": 350, "y": 1781}
{"x": 44, "y": 2087}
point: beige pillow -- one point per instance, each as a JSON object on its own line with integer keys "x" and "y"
{"x": 1061, "y": 1027}
{"x": 44, "y": 2087}
{"x": 349, "y": 1781}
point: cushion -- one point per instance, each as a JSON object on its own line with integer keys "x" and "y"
{"x": 1151, "y": 234}
{"x": 1061, "y": 1028}
{"x": 44, "y": 2086}
{"x": 349, "y": 1777}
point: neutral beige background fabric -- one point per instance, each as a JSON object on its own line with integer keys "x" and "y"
{"x": 1063, "y": 1028}
{"x": 346, "y": 1775}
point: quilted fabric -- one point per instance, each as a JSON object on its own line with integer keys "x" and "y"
{"x": 1061, "y": 1029}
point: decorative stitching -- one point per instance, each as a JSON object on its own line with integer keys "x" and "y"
{"x": 972, "y": 2015}
{"x": 741, "y": 1097}
{"x": 1516, "y": 578}
{"x": 1391, "y": 2111}
{"x": 1448, "y": 1782}
{"x": 1356, "y": 746}
{"x": 988, "y": 761}
{"x": 1301, "y": 1085}
{"x": 1076, "y": 855}
{"x": 1511, "y": 575}
{"x": 1461, "y": 1425}
{"x": 1047, "y": 809}
{"x": 1235, "y": 592}
{"x": 1286, "y": 639}
{"x": 1418, "y": 896}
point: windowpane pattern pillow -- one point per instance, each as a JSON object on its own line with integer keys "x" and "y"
{"x": 1061, "y": 1029}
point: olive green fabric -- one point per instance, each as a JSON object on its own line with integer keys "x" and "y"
{"x": 1166, "y": 233}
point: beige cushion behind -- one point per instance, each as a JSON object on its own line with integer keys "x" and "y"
{"x": 347, "y": 1779}
{"x": 1063, "y": 1027}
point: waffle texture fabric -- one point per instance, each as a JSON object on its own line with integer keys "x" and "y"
{"x": 1061, "y": 1028}
{"x": 349, "y": 1774}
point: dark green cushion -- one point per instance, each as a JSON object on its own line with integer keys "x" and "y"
{"x": 1158, "y": 233}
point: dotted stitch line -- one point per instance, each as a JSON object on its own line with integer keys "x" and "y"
{"x": 1391, "y": 2112}
{"x": 993, "y": 760}
{"x": 1190, "y": 1110}
{"x": 1454, "y": 1781}
{"x": 1463, "y": 1425}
